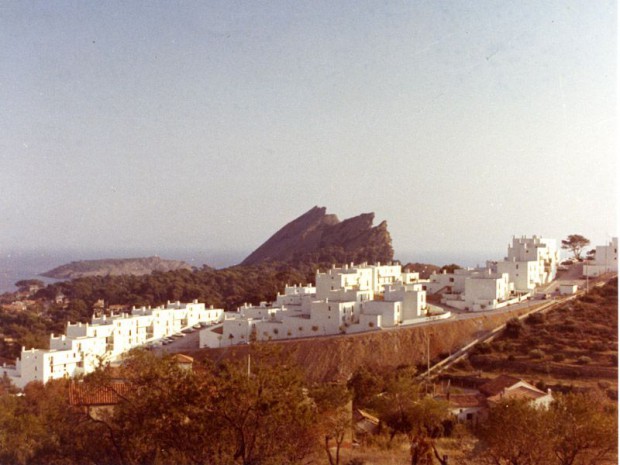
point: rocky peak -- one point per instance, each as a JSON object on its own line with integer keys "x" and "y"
{"x": 320, "y": 237}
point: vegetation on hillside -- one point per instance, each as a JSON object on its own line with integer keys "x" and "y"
{"x": 572, "y": 347}
{"x": 235, "y": 412}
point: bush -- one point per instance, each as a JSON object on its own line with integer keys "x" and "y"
{"x": 536, "y": 354}
{"x": 483, "y": 348}
{"x": 514, "y": 327}
{"x": 584, "y": 360}
{"x": 463, "y": 364}
{"x": 612, "y": 394}
{"x": 559, "y": 357}
{"x": 535, "y": 319}
{"x": 356, "y": 461}
{"x": 603, "y": 384}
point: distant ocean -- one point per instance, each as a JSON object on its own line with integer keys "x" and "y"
{"x": 18, "y": 265}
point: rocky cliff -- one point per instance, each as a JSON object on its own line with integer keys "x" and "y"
{"x": 319, "y": 237}
{"x": 114, "y": 267}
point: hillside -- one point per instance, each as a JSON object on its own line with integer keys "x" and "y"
{"x": 115, "y": 267}
{"x": 574, "y": 345}
{"x": 318, "y": 237}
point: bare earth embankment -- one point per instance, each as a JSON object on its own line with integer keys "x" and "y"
{"x": 336, "y": 357}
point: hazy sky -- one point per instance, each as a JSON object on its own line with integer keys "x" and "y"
{"x": 208, "y": 125}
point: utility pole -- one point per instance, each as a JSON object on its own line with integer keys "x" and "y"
{"x": 428, "y": 361}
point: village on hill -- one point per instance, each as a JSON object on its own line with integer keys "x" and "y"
{"x": 344, "y": 300}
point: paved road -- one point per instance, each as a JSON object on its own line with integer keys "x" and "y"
{"x": 183, "y": 344}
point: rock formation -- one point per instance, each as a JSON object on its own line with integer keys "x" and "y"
{"x": 318, "y": 237}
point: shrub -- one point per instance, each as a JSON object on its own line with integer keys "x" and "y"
{"x": 500, "y": 346}
{"x": 315, "y": 328}
{"x": 536, "y": 354}
{"x": 584, "y": 360}
{"x": 603, "y": 384}
{"x": 612, "y": 394}
{"x": 275, "y": 331}
{"x": 535, "y": 319}
{"x": 371, "y": 324}
{"x": 559, "y": 357}
{"x": 483, "y": 348}
{"x": 514, "y": 327}
{"x": 356, "y": 461}
{"x": 463, "y": 364}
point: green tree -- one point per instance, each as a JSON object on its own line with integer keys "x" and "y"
{"x": 266, "y": 415}
{"x": 450, "y": 268}
{"x": 365, "y": 385}
{"x": 584, "y": 430}
{"x": 404, "y": 410}
{"x": 334, "y": 409}
{"x": 515, "y": 433}
{"x": 161, "y": 409}
{"x": 575, "y": 243}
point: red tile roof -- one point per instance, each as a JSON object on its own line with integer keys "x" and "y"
{"x": 463, "y": 400}
{"x": 81, "y": 394}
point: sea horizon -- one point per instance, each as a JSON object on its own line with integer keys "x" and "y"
{"x": 16, "y": 265}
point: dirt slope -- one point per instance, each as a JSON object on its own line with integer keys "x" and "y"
{"x": 335, "y": 358}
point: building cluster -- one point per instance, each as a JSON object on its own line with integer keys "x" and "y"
{"x": 86, "y": 345}
{"x": 605, "y": 260}
{"x": 531, "y": 262}
{"x": 345, "y": 300}
{"x": 351, "y": 299}
{"x": 474, "y": 406}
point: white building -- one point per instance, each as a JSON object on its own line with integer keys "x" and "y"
{"x": 478, "y": 289}
{"x": 345, "y": 300}
{"x": 86, "y": 345}
{"x": 531, "y": 262}
{"x": 605, "y": 260}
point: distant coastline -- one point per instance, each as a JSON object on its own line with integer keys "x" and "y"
{"x": 17, "y": 265}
